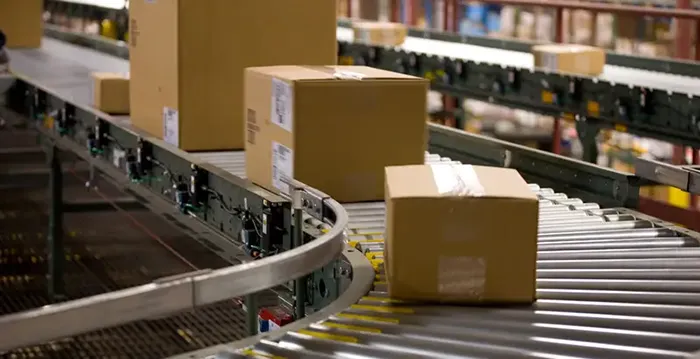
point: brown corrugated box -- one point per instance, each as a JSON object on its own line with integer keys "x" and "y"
{"x": 188, "y": 57}
{"x": 334, "y": 128}
{"x": 379, "y": 33}
{"x": 570, "y": 58}
{"x": 111, "y": 92}
{"x": 22, "y": 22}
{"x": 445, "y": 235}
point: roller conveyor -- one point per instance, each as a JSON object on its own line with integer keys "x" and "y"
{"x": 612, "y": 283}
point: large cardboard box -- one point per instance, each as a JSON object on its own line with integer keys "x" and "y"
{"x": 188, "y": 58}
{"x": 460, "y": 233}
{"x": 334, "y": 128}
{"x": 379, "y": 33}
{"x": 111, "y": 92}
{"x": 22, "y": 22}
{"x": 570, "y": 58}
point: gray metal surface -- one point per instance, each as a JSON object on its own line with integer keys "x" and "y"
{"x": 612, "y": 283}
{"x": 65, "y": 69}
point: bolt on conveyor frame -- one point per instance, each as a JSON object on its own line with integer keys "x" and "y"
{"x": 69, "y": 126}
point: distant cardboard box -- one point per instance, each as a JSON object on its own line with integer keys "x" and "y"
{"x": 570, "y": 58}
{"x": 111, "y": 92}
{"x": 379, "y": 33}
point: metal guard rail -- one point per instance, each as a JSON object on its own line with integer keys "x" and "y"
{"x": 174, "y": 294}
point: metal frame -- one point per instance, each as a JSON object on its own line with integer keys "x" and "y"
{"x": 362, "y": 278}
{"x": 587, "y": 181}
{"x": 45, "y": 111}
{"x": 685, "y": 178}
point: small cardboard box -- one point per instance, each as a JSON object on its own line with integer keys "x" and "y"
{"x": 570, "y": 58}
{"x": 111, "y": 92}
{"x": 22, "y": 22}
{"x": 460, "y": 233}
{"x": 379, "y": 33}
{"x": 334, "y": 128}
{"x": 187, "y": 59}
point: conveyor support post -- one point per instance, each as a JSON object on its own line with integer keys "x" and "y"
{"x": 55, "y": 233}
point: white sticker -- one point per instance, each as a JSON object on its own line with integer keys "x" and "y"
{"x": 550, "y": 61}
{"x": 272, "y": 325}
{"x": 282, "y": 166}
{"x": 282, "y": 103}
{"x": 171, "y": 126}
{"x": 117, "y": 157}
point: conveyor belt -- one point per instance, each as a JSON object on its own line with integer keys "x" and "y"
{"x": 615, "y": 74}
{"x": 611, "y": 284}
{"x": 66, "y": 68}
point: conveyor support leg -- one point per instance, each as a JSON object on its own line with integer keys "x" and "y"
{"x": 299, "y": 284}
{"x": 251, "y": 319}
{"x": 55, "y": 234}
{"x": 588, "y": 133}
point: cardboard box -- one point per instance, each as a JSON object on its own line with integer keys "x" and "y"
{"x": 379, "y": 33}
{"x": 481, "y": 224}
{"x": 111, "y": 92}
{"x": 303, "y": 122}
{"x": 22, "y": 22}
{"x": 188, "y": 58}
{"x": 570, "y": 58}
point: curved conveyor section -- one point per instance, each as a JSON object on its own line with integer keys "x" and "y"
{"x": 612, "y": 283}
{"x": 175, "y": 294}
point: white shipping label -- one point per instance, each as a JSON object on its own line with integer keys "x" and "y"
{"x": 171, "y": 126}
{"x": 282, "y": 166}
{"x": 282, "y": 103}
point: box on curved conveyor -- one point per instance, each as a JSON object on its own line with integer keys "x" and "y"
{"x": 334, "y": 128}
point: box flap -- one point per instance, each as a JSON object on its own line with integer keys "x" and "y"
{"x": 326, "y": 73}
{"x": 449, "y": 180}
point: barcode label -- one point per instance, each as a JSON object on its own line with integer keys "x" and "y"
{"x": 252, "y": 126}
{"x": 282, "y": 166}
{"x": 171, "y": 126}
{"x": 281, "y": 112}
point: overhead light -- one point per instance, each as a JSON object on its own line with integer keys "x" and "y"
{"x": 107, "y": 4}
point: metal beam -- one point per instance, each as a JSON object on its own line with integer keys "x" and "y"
{"x": 55, "y": 238}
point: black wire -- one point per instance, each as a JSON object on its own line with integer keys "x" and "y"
{"x": 165, "y": 168}
{"x": 114, "y": 140}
